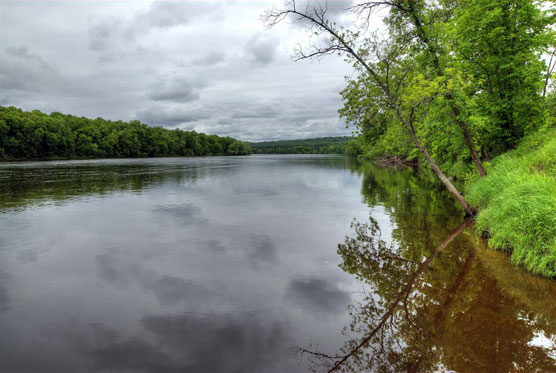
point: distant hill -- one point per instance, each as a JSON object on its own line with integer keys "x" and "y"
{"x": 321, "y": 145}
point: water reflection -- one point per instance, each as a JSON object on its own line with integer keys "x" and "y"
{"x": 460, "y": 309}
{"x": 158, "y": 265}
{"x": 32, "y": 183}
{"x": 317, "y": 295}
{"x": 228, "y": 264}
{"x": 171, "y": 343}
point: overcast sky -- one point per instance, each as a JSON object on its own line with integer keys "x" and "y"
{"x": 210, "y": 66}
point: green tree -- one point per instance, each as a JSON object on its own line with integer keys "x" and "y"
{"x": 395, "y": 81}
{"x": 499, "y": 44}
{"x": 34, "y": 134}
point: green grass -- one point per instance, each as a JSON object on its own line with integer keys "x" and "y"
{"x": 517, "y": 203}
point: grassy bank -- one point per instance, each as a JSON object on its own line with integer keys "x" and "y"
{"x": 517, "y": 203}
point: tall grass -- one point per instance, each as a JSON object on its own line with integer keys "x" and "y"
{"x": 517, "y": 202}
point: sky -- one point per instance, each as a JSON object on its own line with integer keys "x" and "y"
{"x": 208, "y": 66}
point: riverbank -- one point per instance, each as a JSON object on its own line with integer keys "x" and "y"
{"x": 516, "y": 200}
{"x": 517, "y": 203}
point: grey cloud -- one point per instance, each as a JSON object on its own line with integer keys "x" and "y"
{"x": 263, "y": 50}
{"x": 25, "y": 54}
{"x": 100, "y": 35}
{"x": 317, "y": 295}
{"x": 164, "y": 64}
{"x": 22, "y": 70}
{"x": 209, "y": 59}
{"x": 167, "y": 14}
{"x": 169, "y": 116}
{"x": 256, "y": 111}
{"x": 118, "y": 34}
{"x": 336, "y": 7}
{"x": 224, "y": 122}
{"x": 174, "y": 90}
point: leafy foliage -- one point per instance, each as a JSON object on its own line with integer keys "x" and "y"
{"x": 498, "y": 44}
{"x": 36, "y": 135}
{"x": 469, "y": 74}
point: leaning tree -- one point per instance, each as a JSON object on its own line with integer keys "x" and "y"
{"x": 388, "y": 65}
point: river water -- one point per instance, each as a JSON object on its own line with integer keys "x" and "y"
{"x": 265, "y": 263}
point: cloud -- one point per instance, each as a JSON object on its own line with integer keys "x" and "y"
{"x": 164, "y": 115}
{"x": 195, "y": 65}
{"x": 338, "y": 7}
{"x": 174, "y": 90}
{"x": 26, "y": 55}
{"x": 209, "y": 59}
{"x": 167, "y": 14}
{"x": 263, "y": 50}
{"x": 101, "y": 33}
{"x": 117, "y": 34}
{"x": 22, "y": 70}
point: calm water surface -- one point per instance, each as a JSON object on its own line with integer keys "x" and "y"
{"x": 254, "y": 264}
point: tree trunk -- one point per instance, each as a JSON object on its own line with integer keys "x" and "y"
{"x": 469, "y": 210}
{"x": 469, "y": 141}
{"x": 451, "y": 188}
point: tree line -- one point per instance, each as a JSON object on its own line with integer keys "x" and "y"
{"x": 447, "y": 82}
{"x": 321, "y": 145}
{"x": 36, "y": 135}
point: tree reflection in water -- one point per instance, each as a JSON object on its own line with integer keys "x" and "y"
{"x": 442, "y": 313}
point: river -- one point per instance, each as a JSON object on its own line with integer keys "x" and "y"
{"x": 286, "y": 263}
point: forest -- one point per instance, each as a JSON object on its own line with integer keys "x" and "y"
{"x": 36, "y": 135}
{"x": 320, "y": 145}
{"x": 466, "y": 89}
